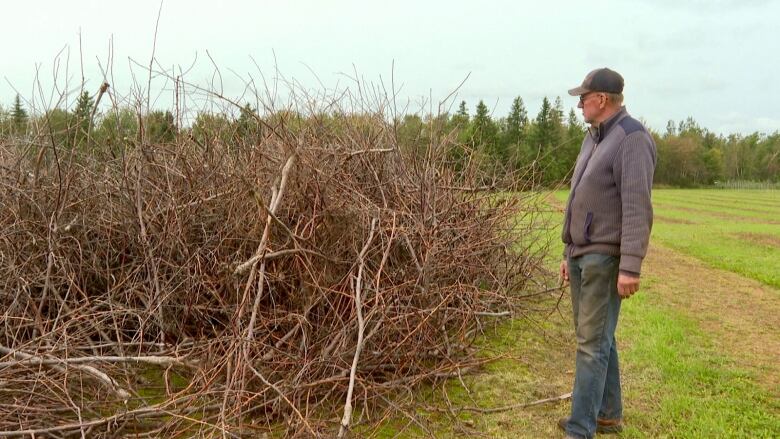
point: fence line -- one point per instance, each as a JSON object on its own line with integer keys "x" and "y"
{"x": 745, "y": 184}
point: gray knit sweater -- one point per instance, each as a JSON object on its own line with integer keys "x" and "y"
{"x": 609, "y": 209}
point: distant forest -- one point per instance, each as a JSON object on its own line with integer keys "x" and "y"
{"x": 688, "y": 155}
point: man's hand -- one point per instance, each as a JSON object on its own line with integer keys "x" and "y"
{"x": 564, "y": 271}
{"x": 627, "y": 285}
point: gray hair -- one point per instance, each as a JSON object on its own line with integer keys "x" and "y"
{"x": 615, "y": 98}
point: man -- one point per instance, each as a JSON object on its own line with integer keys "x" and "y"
{"x": 606, "y": 231}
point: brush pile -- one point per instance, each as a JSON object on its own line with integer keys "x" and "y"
{"x": 213, "y": 288}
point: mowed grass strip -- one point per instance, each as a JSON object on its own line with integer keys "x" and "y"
{"x": 758, "y": 199}
{"x": 730, "y": 212}
{"x": 721, "y": 204}
{"x": 724, "y": 248}
{"x": 725, "y": 241}
{"x": 678, "y": 385}
{"x": 740, "y": 315}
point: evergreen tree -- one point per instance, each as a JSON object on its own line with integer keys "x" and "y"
{"x": 160, "y": 127}
{"x": 557, "y": 160}
{"x": 116, "y": 130}
{"x": 5, "y": 122}
{"x": 18, "y": 116}
{"x": 247, "y": 127}
{"x": 516, "y": 122}
{"x": 483, "y": 127}
{"x": 461, "y": 118}
{"x": 575, "y": 131}
{"x": 410, "y": 135}
{"x": 81, "y": 118}
{"x": 558, "y": 111}
{"x": 463, "y": 111}
{"x": 459, "y": 123}
{"x": 57, "y": 124}
{"x": 483, "y": 135}
{"x": 542, "y": 135}
{"x": 547, "y": 141}
{"x": 210, "y": 128}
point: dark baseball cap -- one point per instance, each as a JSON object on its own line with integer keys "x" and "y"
{"x": 603, "y": 80}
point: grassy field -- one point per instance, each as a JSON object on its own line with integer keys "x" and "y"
{"x": 738, "y": 231}
{"x": 700, "y": 343}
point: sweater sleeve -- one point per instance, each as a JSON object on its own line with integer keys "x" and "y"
{"x": 636, "y": 160}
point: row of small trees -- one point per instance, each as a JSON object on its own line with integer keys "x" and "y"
{"x": 547, "y": 144}
{"x": 80, "y": 127}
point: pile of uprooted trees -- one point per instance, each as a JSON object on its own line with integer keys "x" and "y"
{"x": 212, "y": 287}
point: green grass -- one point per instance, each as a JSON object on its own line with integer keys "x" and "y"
{"x": 718, "y": 223}
{"x": 746, "y": 204}
{"x": 718, "y": 246}
{"x": 703, "y": 393}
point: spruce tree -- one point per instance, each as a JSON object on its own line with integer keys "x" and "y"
{"x": 247, "y": 127}
{"x": 81, "y": 117}
{"x": 5, "y": 119}
{"x": 160, "y": 127}
{"x": 575, "y": 132}
{"x": 459, "y": 123}
{"x": 516, "y": 121}
{"x": 18, "y": 116}
{"x": 542, "y": 132}
{"x": 463, "y": 111}
{"x": 483, "y": 134}
{"x": 461, "y": 117}
{"x": 575, "y": 129}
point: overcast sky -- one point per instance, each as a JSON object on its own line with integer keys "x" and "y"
{"x": 714, "y": 60}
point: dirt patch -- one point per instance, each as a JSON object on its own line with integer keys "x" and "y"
{"x": 759, "y": 238}
{"x": 740, "y": 315}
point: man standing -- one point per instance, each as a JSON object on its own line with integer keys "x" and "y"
{"x": 606, "y": 230}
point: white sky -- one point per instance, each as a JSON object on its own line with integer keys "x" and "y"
{"x": 714, "y": 60}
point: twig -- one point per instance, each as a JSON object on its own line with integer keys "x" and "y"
{"x": 95, "y": 373}
{"x": 361, "y": 327}
{"x": 271, "y": 255}
{"x": 271, "y": 210}
{"x": 144, "y": 412}
{"x": 507, "y": 408}
{"x": 282, "y": 395}
{"x": 149, "y": 359}
{"x": 364, "y": 151}
{"x": 493, "y": 314}
{"x": 264, "y": 242}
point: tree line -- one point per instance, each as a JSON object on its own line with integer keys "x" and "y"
{"x": 690, "y": 155}
{"x": 544, "y": 147}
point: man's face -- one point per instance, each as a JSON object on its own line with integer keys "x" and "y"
{"x": 592, "y": 105}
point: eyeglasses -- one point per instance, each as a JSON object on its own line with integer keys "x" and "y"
{"x": 584, "y": 97}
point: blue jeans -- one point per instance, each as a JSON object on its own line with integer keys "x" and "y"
{"x": 596, "y": 306}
